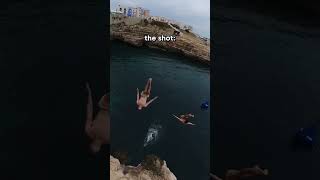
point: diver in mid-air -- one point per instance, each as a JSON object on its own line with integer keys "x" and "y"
{"x": 185, "y": 118}
{"x": 145, "y": 94}
{"x": 97, "y": 127}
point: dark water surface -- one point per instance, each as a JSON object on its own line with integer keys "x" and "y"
{"x": 266, "y": 87}
{"x": 47, "y": 54}
{"x": 181, "y": 87}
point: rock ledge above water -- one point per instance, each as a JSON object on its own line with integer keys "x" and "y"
{"x": 119, "y": 172}
{"x": 187, "y": 44}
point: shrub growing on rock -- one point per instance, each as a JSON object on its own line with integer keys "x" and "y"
{"x": 162, "y": 25}
{"x": 176, "y": 26}
{"x": 121, "y": 156}
{"x": 153, "y": 163}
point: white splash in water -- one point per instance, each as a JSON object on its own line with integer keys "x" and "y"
{"x": 152, "y": 135}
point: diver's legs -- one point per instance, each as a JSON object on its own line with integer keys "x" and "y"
{"x": 190, "y": 115}
{"x": 147, "y": 89}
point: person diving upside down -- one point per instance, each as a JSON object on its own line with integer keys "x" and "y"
{"x": 185, "y": 118}
{"x": 145, "y": 94}
{"x": 97, "y": 127}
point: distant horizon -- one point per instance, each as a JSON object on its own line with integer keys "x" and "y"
{"x": 195, "y": 14}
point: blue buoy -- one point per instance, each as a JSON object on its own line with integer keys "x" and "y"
{"x": 305, "y": 136}
{"x": 205, "y": 105}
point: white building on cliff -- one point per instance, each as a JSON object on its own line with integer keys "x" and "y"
{"x": 139, "y": 12}
{"x": 133, "y": 11}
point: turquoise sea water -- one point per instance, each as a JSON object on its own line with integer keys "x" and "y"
{"x": 182, "y": 86}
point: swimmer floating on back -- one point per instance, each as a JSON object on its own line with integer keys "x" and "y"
{"x": 185, "y": 118}
{"x": 145, "y": 94}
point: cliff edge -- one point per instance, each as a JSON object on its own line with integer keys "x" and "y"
{"x": 186, "y": 43}
{"x": 119, "y": 171}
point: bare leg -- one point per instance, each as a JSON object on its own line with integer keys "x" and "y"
{"x": 89, "y": 120}
{"x": 147, "y": 89}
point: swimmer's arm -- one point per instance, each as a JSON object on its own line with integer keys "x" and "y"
{"x": 180, "y": 119}
{"x": 177, "y": 117}
{"x": 190, "y": 123}
{"x": 151, "y": 101}
{"x": 89, "y": 111}
{"x": 137, "y": 95}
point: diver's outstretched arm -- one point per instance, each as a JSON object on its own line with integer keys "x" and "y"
{"x": 180, "y": 119}
{"x": 147, "y": 88}
{"x": 176, "y": 117}
{"x": 89, "y": 111}
{"x": 137, "y": 94}
{"x": 151, "y": 101}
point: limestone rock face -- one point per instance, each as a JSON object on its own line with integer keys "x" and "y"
{"x": 122, "y": 172}
{"x": 187, "y": 44}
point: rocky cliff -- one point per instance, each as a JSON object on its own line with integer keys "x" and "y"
{"x": 187, "y": 43}
{"x": 123, "y": 172}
